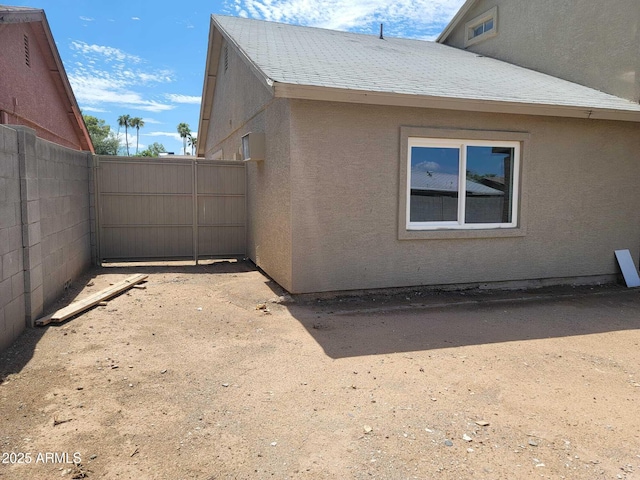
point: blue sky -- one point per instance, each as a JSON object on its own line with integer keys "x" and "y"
{"x": 146, "y": 58}
{"x": 480, "y": 160}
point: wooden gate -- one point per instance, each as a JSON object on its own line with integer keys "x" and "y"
{"x": 169, "y": 208}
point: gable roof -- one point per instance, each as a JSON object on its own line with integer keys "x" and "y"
{"x": 36, "y": 16}
{"x": 318, "y": 64}
{"x": 455, "y": 20}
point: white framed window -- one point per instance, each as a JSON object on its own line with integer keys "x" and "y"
{"x": 481, "y": 28}
{"x": 461, "y": 184}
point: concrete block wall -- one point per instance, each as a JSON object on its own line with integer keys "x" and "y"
{"x": 93, "y": 212}
{"x": 12, "y": 300}
{"x": 45, "y": 232}
{"x": 62, "y": 210}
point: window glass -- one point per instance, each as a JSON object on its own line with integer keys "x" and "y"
{"x": 488, "y": 25}
{"x": 489, "y": 184}
{"x": 434, "y": 184}
{"x": 478, "y": 30}
{"x": 459, "y": 184}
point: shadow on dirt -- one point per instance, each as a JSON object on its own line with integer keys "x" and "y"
{"x": 456, "y": 320}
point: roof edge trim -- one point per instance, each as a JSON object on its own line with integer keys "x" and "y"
{"x": 211, "y": 70}
{"x": 455, "y": 20}
{"x": 263, "y": 77}
{"x": 305, "y": 92}
{"x": 83, "y": 132}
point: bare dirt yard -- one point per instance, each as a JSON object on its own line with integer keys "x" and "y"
{"x": 209, "y": 374}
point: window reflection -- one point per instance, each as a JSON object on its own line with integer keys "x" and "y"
{"x": 434, "y": 184}
{"x": 489, "y": 185}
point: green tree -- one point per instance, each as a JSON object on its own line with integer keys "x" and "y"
{"x": 153, "y": 150}
{"x": 193, "y": 143}
{"x": 125, "y": 121}
{"x": 137, "y": 123}
{"x": 105, "y": 142}
{"x": 184, "y": 131}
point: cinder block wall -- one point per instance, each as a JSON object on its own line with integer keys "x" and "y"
{"x": 63, "y": 211}
{"x": 12, "y": 301}
{"x": 45, "y": 232}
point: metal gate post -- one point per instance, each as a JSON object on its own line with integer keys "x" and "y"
{"x": 97, "y": 206}
{"x": 195, "y": 210}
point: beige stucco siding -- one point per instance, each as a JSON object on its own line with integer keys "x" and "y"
{"x": 269, "y": 199}
{"x": 243, "y": 104}
{"x": 579, "y": 194}
{"x": 586, "y": 42}
{"x": 239, "y": 96}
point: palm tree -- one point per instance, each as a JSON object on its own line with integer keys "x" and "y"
{"x": 138, "y": 123}
{"x": 184, "y": 131}
{"x": 193, "y": 143}
{"x": 125, "y": 121}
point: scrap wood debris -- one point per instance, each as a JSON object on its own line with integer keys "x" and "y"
{"x": 80, "y": 306}
{"x": 57, "y": 422}
{"x": 78, "y": 471}
{"x": 263, "y": 307}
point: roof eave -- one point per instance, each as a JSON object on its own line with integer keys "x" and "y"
{"x": 217, "y": 34}
{"x": 209, "y": 84}
{"x": 83, "y": 133}
{"x": 455, "y": 20}
{"x": 309, "y": 92}
{"x": 28, "y": 15}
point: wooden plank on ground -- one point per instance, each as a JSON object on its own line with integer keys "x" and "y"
{"x": 92, "y": 300}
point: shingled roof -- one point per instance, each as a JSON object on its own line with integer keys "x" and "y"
{"x": 314, "y": 63}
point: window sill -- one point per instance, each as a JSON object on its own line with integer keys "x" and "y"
{"x": 404, "y": 234}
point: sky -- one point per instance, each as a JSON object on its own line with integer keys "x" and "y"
{"x": 484, "y": 161}
{"x": 146, "y": 58}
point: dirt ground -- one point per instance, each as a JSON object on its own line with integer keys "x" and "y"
{"x": 209, "y": 374}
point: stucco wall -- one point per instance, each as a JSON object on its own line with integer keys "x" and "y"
{"x": 44, "y": 225}
{"x": 268, "y": 185}
{"x": 44, "y": 112}
{"x": 586, "y": 42}
{"x": 238, "y": 97}
{"x": 579, "y": 201}
{"x": 269, "y": 198}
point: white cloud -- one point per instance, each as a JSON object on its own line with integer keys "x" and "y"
{"x": 104, "y": 76}
{"x": 151, "y": 121}
{"x": 135, "y": 18}
{"x": 94, "y": 109}
{"x": 108, "y": 53}
{"x": 177, "y": 98}
{"x": 87, "y": 19}
{"x": 95, "y": 90}
{"x": 399, "y": 16}
{"x": 428, "y": 166}
{"x": 174, "y": 135}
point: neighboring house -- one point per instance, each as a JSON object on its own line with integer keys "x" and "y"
{"x": 591, "y": 43}
{"x": 34, "y": 88}
{"x": 533, "y": 178}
